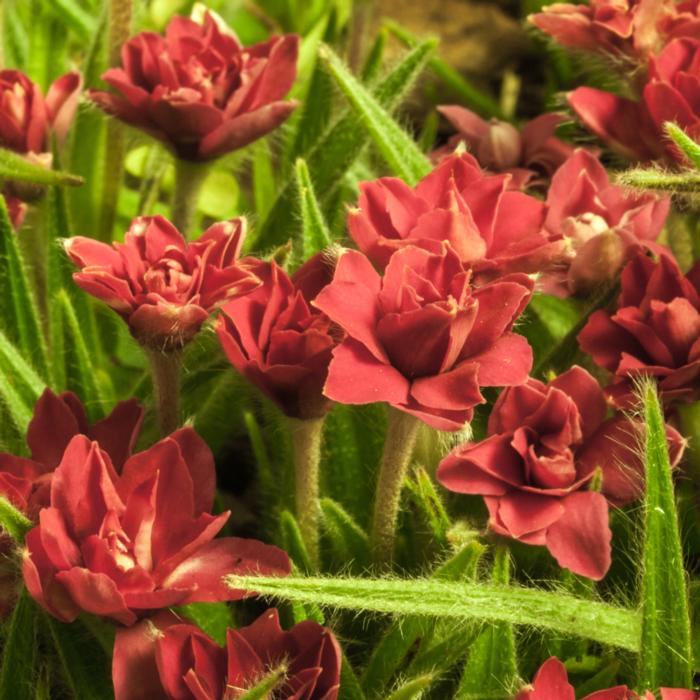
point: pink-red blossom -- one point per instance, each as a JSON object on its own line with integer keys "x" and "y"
{"x": 278, "y": 341}
{"x": 422, "y": 338}
{"x": 552, "y": 683}
{"x": 654, "y": 331}
{"x": 545, "y": 442}
{"x": 602, "y": 225}
{"x": 490, "y": 226}
{"x": 530, "y": 154}
{"x": 199, "y": 90}
{"x": 162, "y": 286}
{"x": 122, "y": 545}
{"x": 167, "y": 659}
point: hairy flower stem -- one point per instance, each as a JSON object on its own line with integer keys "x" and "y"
{"x": 401, "y": 434}
{"x": 189, "y": 178}
{"x": 165, "y": 369}
{"x": 306, "y": 439}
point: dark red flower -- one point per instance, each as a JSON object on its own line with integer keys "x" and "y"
{"x": 544, "y": 444}
{"x": 491, "y": 227}
{"x": 422, "y": 338}
{"x": 531, "y": 152}
{"x": 552, "y": 683}
{"x": 16, "y": 210}
{"x": 636, "y": 129}
{"x": 278, "y": 341}
{"x": 655, "y": 331}
{"x": 199, "y": 90}
{"x": 122, "y": 545}
{"x": 602, "y": 225}
{"x": 162, "y": 286}
{"x": 164, "y": 659}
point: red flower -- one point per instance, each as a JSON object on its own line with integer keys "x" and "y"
{"x": 278, "y": 341}
{"x": 603, "y": 225}
{"x": 57, "y": 419}
{"x": 122, "y": 545}
{"x": 179, "y": 662}
{"x": 199, "y": 90}
{"x": 635, "y": 129}
{"x": 422, "y": 338}
{"x": 655, "y": 330}
{"x": 491, "y": 227}
{"x": 162, "y": 286}
{"x": 27, "y": 119}
{"x": 16, "y": 210}
{"x": 530, "y": 152}
{"x": 630, "y": 28}
{"x": 544, "y": 444}
{"x": 552, "y": 683}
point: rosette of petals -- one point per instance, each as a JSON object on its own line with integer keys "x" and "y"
{"x": 654, "y": 331}
{"x": 278, "y": 341}
{"x": 602, "y": 225}
{"x": 544, "y": 444}
{"x": 552, "y": 683}
{"x": 530, "y": 154}
{"x": 122, "y": 545}
{"x": 422, "y": 338}
{"x": 162, "y": 286}
{"x": 490, "y": 226}
{"x": 199, "y": 90}
{"x": 165, "y": 659}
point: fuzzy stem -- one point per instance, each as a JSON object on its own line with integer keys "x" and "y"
{"x": 189, "y": 178}
{"x": 306, "y": 439}
{"x": 166, "y": 368}
{"x": 401, "y": 434}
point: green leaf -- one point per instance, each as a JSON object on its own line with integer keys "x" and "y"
{"x": 21, "y": 313}
{"x": 684, "y": 182}
{"x": 16, "y": 406}
{"x": 350, "y": 688}
{"x": 492, "y": 669}
{"x": 265, "y": 688}
{"x": 13, "y": 521}
{"x": 264, "y": 180}
{"x": 398, "y": 149}
{"x": 15, "y": 167}
{"x": 665, "y": 648}
{"x": 601, "y": 622}
{"x": 349, "y": 542}
{"x": 687, "y": 145}
{"x": 293, "y": 542}
{"x": 336, "y": 149}
{"x": 18, "y": 673}
{"x": 373, "y": 61}
{"x": 315, "y": 235}
{"x": 413, "y": 689}
{"x": 31, "y": 384}
{"x": 426, "y": 498}
{"x": 212, "y": 618}
{"x": 80, "y": 21}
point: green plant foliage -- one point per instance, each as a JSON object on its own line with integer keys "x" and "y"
{"x": 18, "y": 672}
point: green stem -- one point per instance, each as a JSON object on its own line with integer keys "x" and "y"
{"x": 306, "y": 441}
{"x": 189, "y": 178}
{"x": 402, "y": 430}
{"x": 166, "y": 367}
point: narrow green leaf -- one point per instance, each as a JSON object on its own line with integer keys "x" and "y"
{"x": 373, "y": 61}
{"x": 15, "y": 167}
{"x": 350, "y": 688}
{"x": 426, "y": 498}
{"x": 293, "y": 542}
{"x": 13, "y": 521}
{"x": 601, "y": 622}
{"x": 11, "y": 359}
{"x": 690, "y": 148}
{"x": 413, "y": 689}
{"x": 80, "y": 21}
{"x": 16, "y": 406}
{"x": 315, "y": 235}
{"x": 398, "y": 149}
{"x": 684, "y": 182}
{"x": 349, "y": 542}
{"x": 491, "y": 669}
{"x": 263, "y": 689}
{"x": 264, "y": 180}
{"x": 18, "y": 673}
{"x": 665, "y": 649}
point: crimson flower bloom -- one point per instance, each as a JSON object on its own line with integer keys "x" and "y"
{"x": 603, "y": 225}
{"x": 122, "y": 545}
{"x": 164, "y": 659}
{"x": 278, "y": 341}
{"x": 629, "y": 28}
{"x": 552, "y": 683}
{"x": 490, "y": 226}
{"x": 162, "y": 286}
{"x": 544, "y": 445}
{"x": 530, "y": 152}
{"x": 199, "y": 90}
{"x": 635, "y": 129}
{"x": 422, "y": 338}
{"x": 655, "y": 331}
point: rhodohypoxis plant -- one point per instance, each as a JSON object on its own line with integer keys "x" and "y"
{"x": 304, "y": 399}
